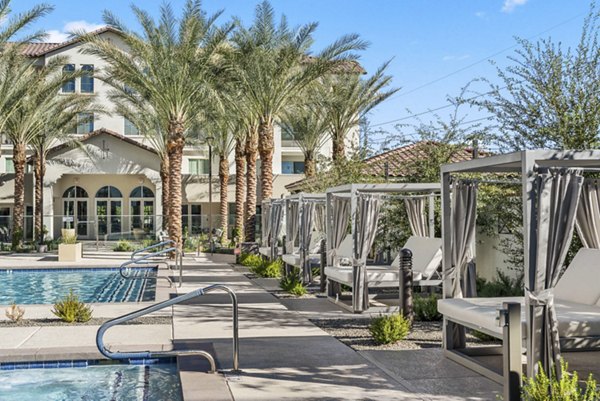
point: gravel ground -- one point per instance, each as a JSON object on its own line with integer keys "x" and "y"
{"x": 355, "y": 334}
{"x": 91, "y": 322}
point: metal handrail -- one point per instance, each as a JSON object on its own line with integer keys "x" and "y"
{"x": 165, "y": 304}
{"x": 160, "y": 244}
{"x": 178, "y": 260}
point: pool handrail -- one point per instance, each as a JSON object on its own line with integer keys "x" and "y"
{"x": 165, "y": 304}
{"x": 178, "y": 260}
{"x": 160, "y": 244}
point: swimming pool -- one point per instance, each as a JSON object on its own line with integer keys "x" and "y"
{"x": 46, "y": 286}
{"x": 92, "y": 381}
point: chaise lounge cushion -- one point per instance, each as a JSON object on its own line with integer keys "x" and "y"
{"x": 427, "y": 256}
{"x": 580, "y": 281}
{"x": 574, "y": 320}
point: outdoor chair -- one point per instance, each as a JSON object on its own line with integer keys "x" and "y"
{"x": 576, "y": 299}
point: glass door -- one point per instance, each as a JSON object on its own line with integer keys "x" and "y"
{"x": 102, "y": 215}
{"x": 82, "y": 218}
{"x": 115, "y": 216}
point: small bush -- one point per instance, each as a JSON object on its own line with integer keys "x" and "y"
{"x": 69, "y": 238}
{"x": 272, "y": 269}
{"x": 501, "y": 286}
{"x": 124, "y": 246}
{"x": 425, "y": 308}
{"x": 389, "y": 329}
{"x": 251, "y": 260}
{"x": 292, "y": 283}
{"x": 148, "y": 242}
{"x": 544, "y": 388}
{"x": 15, "y": 313}
{"x": 70, "y": 309}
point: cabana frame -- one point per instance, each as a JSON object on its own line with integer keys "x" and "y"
{"x": 269, "y": 246}
{"x": 527, "y": 164}
{"x": 302, "y": 199}
{"x": 355, "y": 190}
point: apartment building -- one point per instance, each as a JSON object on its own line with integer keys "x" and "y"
{"x": 109, "y": 187}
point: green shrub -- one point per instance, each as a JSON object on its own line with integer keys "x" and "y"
{"x": 425, "y": 308}
{"x": 70, "y": 309}
{"x": 544, "y": 388}
{"x": 481, "y": 336}
{"x": 148, "y": 242}
{"x": 272, "y": 269}
{"x": 69, "y": 239}
{"x": 501, "y": 286}
{"x": 389, "y": 329}
{"x": 292, "y": 283}
{"x": 251, "y": 260}
{"x": 124, "y": 246}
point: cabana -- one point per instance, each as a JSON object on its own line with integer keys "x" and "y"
{"x": 305, "y": 222}
{"x": 358, "y": 206}
{"x": 561, "y": 306}
{"x": 272, "y": 217}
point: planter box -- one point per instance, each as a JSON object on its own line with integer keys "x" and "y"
{"x": 70, "y": 252}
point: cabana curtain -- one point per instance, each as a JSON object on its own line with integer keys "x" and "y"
{"x": 588, "y": 214}
{"x": 265, "y": 223}
{"x": 415, "y": 209}
{"x": 276, "y": 219}
{"x": 291, "y": 227}
{"x": 367, "y": 212}
{"x": 339, "y": 226}
{"x": 308, "y": 210}
{"x": 319, "y": 219}
{"x": 558, "y": 193}
{"x": 464, "y": 214}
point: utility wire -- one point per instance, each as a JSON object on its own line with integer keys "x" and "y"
{"x": 463, "y": 69}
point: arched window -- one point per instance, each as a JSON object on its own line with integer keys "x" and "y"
{"x": 141, "y": 192}
{"x": 75, "y": 192}
{"x": 109, "y": 192}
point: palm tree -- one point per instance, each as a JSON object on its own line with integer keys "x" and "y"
{"x": 346, "y": 98}
{"x": 171, "y": 65}
{"x": 271, "y": 66}
{"x": 59, "y": 116}
{"x": 148, "y": 124}
{"x": 218, "y": 125}
{"x": 29, "y": 119}
{"x": 307, "y": 124}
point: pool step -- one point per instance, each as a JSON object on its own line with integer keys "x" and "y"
{"x": 197, "y": 384}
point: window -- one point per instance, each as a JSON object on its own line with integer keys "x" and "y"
{"x": 68, "y": 86}
{"x": 130, "y": 128}
{"x": 289, "y": 167}
{"x": 108, "y": 192}
{"x": 287, "y": 134}
{"x": 75, "y": 192}
{"x": 85, "y": 123}
{"x": 87, "y": 79}
{"x": 198, "y": 166}
{"x": 10, "y": 166}
{"x": 141, "y": 192}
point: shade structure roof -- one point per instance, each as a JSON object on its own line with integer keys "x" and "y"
{"x": 388, "y": 188}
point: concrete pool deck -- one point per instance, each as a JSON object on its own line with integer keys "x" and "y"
{"x": 283, "y": 356}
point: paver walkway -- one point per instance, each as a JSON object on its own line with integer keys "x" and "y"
{"x": 285, "y": 357}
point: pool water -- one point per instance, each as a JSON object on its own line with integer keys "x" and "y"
{"x": 156, "y": 382}
{"x": 46, "y": 286}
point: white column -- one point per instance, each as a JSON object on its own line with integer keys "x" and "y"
{"x": 158, "y": 207}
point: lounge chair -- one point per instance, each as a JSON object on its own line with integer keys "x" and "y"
{"x": 314, "y": 256}
{"x": 427, "y": 256}
{"x": 576, "y": 299}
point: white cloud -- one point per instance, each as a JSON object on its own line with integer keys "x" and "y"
{"x": 510, "y": 5}
{"x": 480, "y": 14}
{"x": 57, "y": 36}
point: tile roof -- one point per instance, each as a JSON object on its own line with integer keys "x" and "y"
{"x": 399, "y": 161}
{"x": 39, "y": 49}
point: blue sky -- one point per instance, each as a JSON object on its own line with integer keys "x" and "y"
{"x": 427, "y": 39}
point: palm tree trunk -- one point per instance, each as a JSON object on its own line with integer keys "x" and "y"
{"x": 40, "y": 172}
{"x": 265, "y": 147}
{"x": 175, "y": 147}
{"x": 338, "y": 148}
{"x": 224, "y": 181}
{"x": 310, "y": 165}
{"x": 240, "y": 187}
{"x": 19, "y": 209}
{"x": 166, "y": 204}
{"x": 251, "y": 155}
